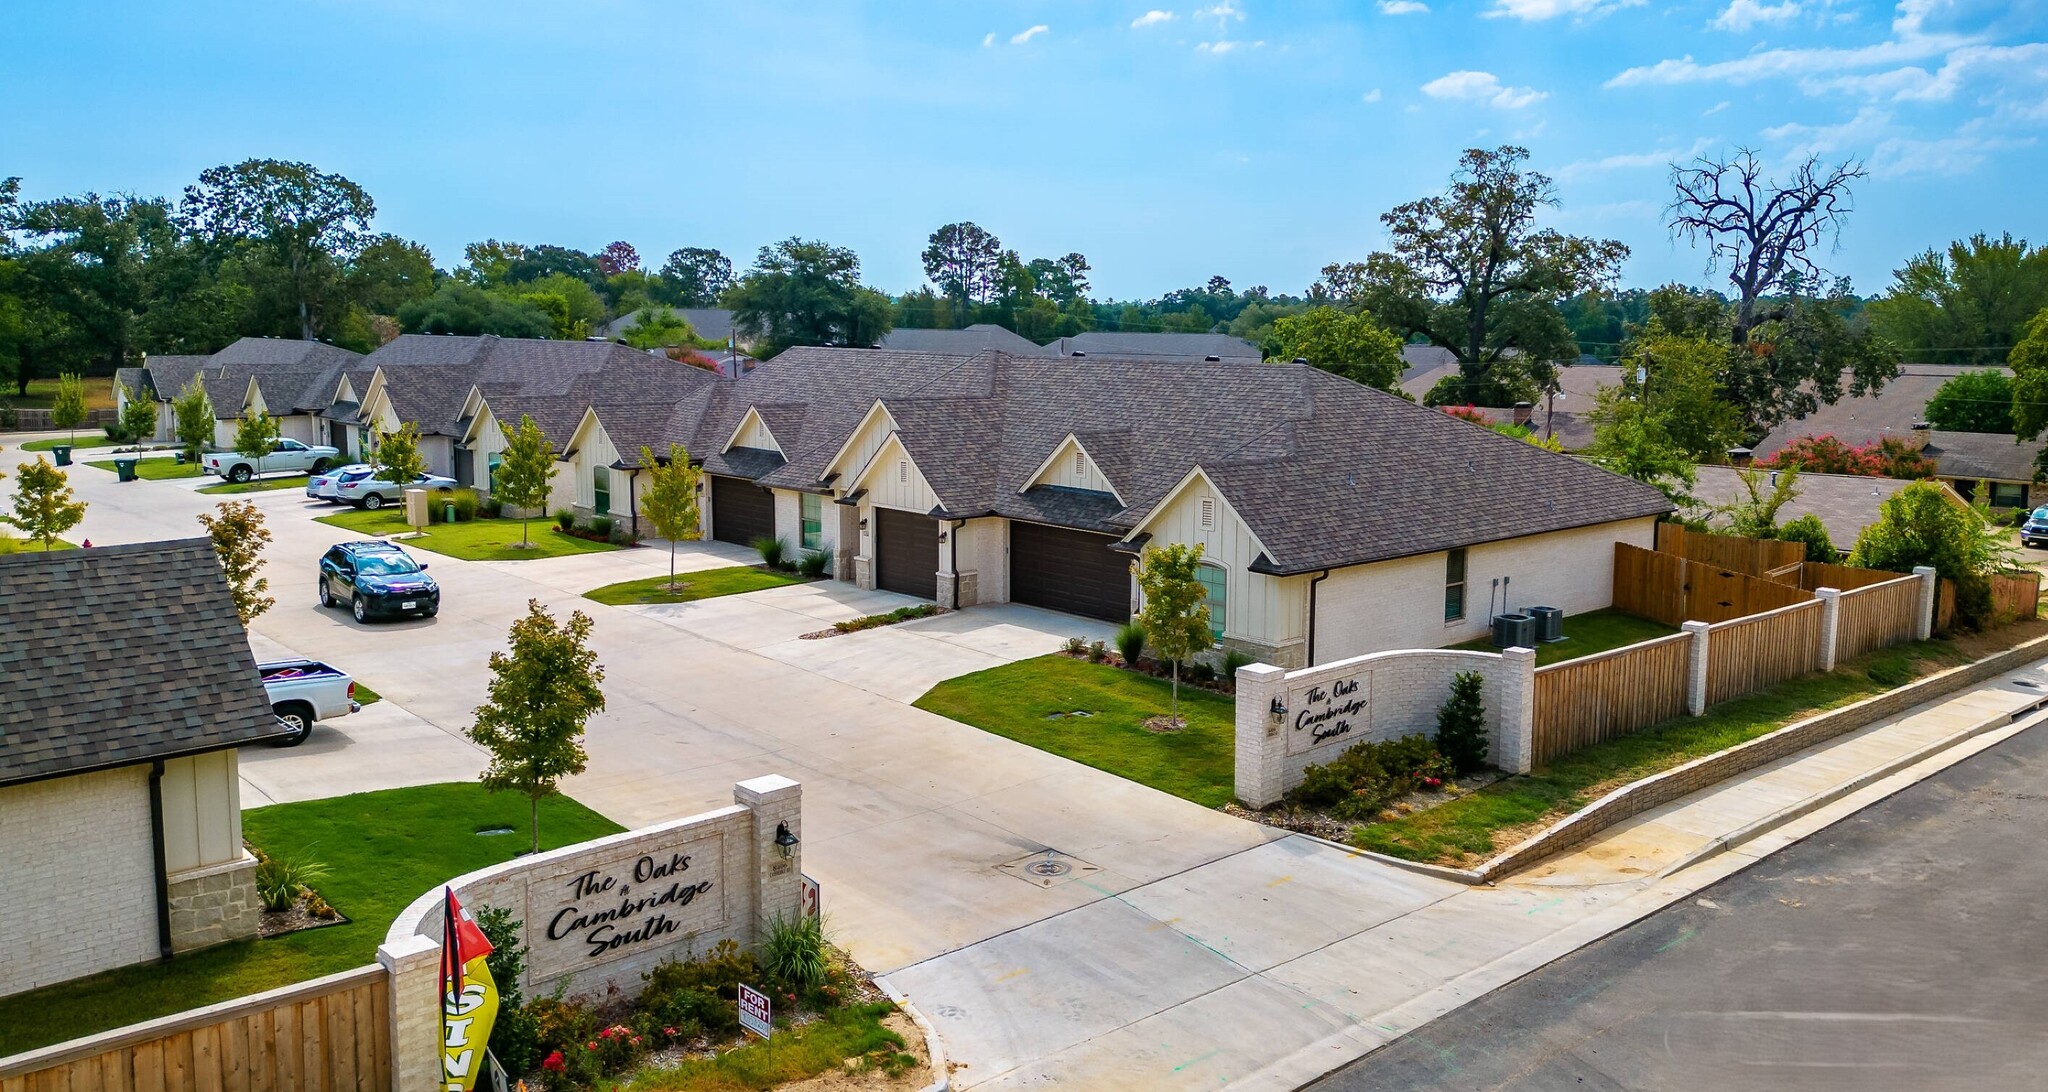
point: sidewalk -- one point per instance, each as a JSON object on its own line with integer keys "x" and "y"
{"x": 1216, "y": 976}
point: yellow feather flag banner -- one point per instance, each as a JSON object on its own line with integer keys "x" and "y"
{"x": 469, "y": 999}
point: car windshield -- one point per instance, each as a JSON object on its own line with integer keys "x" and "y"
{"x": 385, "y": 565}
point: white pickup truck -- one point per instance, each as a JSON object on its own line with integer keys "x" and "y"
{"x": 304, "y": 691}
{"x": 291, "y": 457}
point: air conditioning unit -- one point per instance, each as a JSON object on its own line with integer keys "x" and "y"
{"x": 1514, "y": 631}
{"x": 1549, "y": 623}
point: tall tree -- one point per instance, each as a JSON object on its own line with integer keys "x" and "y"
{"x": 1176, "y": 610}
{"x": 194, "y": 412}
{"x": 389, "y": 273}
{"x": 696, "y": 276}
{"x": 309, "y": 223}
{"x": 485, "y": 264}
{"x": 67, "y": 410}
{"x": 43, "y": 503}
{"x": 1677, "y": 380}
{"x": 2029, "y": 360}
{"x": 1973, "y": 402}
{"x": 543, "y": 690}
{"x": 256, "y": 436}
{"x": 525, "y": 474}
{"x": 805, "y": 292}
{"x": 1470, "y": 270}
{"x": 238, "y": 537}
{"x": 660, "y": 328}
{"x": 1343, "y": 343}
{"x": 617, "y": 257}
{"x": 89, "y": 266}
{"x": 964, "y": 263}
{"x": 458, "y": 308}
{"x": 1630, "y": 439}
{"x": 671, "y": 500}
{"x": 1966, "y": 306}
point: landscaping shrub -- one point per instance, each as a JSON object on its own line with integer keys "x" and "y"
{"x": 1809, "y": 530}
{"x": 565, "y": 518}
{"x": 1075, "y": 645}
{"x": 1461, "y": 724}
{"x": 601, "y": 527}
{"x": 279, "y": 879}
{"x": 1367, "y": 776}
{"x": 490, "y": 506}
{"x": 1232, "y": 660}
{"x": 561, "y": 1027}
{"x": 794, "y": 953}
{"x": 466, "y": 504}
{"x": 1201, "y": 671}
{"x": 814, "y": 563}
{"x": 514, "y": 1037}
{"x": 1130, "y": 642}
{"x": 1920, "y": 525}
{"x": 1097, "y": 652}
{"x": 773, "y": 550}
{"x": 621, "y": 534}
{"x": 117, "y": 433}
{"x": 900, "y": 614}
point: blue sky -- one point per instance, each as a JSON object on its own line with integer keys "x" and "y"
{"x": 1167, "y": 142}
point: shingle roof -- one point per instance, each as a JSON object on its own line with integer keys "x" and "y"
{"x": 1135, "y": 344}
{"x": 1892, "y": 411}
{"x": 972, "y": 339}
{"x": 1990, "y": 455}
{"x": 137, "y": 381}
{"x": 171, "y": 374}
{"x": 711, "y": 323}
{"x": 428, "y": 375}
{"x": 273, "y": 351}
{"x": 1845, "y": 503}
{"x": 119, "y": 655}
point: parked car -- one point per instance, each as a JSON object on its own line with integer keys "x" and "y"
{"x": 371, "y": 491}
{"x": 327, "y": 486}
{"x": 305, "y": 691}
{"x": 377, "y": 580}
{"x": 2034, "y": 532}
{"x": 291, "y": 457}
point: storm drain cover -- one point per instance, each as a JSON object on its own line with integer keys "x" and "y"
{"x": 1048, "y": 868}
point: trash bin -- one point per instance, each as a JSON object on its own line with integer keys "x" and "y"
{"x": 63, "y": 454}
{"x": 125, "y": 469}
{"x": 181, "y": 456}
{"x": 448, "y": 512}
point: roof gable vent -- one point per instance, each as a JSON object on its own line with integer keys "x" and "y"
{"x": 1208, "y": 513}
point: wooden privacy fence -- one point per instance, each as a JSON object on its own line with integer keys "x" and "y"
{"x": 1749, "y": 654}
{"x": 325, "y": 1035}
{"x": 1668, "y": 588}
{"x": 1814, "y": 575}
{"x": 1597, "y": 698}
{"x": 1750, "y": 556}
{"x": 2014, "y": 597}
{"x": 1876, "y": 615}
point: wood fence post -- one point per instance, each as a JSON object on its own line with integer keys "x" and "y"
{"x": 1696, "y": 673}
{"x": 1923, "y": 624}
{"x": 1830, "y": 625}
{"x": 1260, "y": 744}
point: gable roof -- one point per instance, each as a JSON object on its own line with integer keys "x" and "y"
{"x": 1995, "y": 456}
{"x": 119, "y": 655}
{"x": 972, "y": 339}
{"x": 1844, "y": 503}
{"x": 711, "y": 323}
{"x": 170, "y": 375}
{"x": 1890, "y": 411}
{"x": 1127, "y": 343}
{"x": 428, "y": 377}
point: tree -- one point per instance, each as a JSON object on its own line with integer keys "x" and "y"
{"x": 1630, "y": 439}
{"x": 485, "y": 264}
{"x": 195, "y": 417}
{"x": 67, "y": 411}
{"x": 389, "y": 273}
{"x": 1470, "y": 270}
{"x": 310, "y": 223}
{"x": 805, "y": 292}
{"x": 1924, "y": 524}
{"x": 671, "y": 500}
{"x": 256, "y": 436}
{"x": 1808, "y": 529}
{"x": 239, "y": 537}
{"x": 1461, "y": 723}
{"x": 525, "y": 472}
{"x": 659, "y": 328}
{"x": 1677, "y": 380}
{"x": 1968, "y": 306}
{"x": 1757, "y": 517}
{"x": 696, "y": 276}
{"x": 617, "y": 258}
{"x": 138, "y": 414}
{"x": 2029, "y": 360}
{"x": 43, "y": 503}
{"x": 1342, "y": 343}
{"x": 542, "y": 692}
{"x": 396, "y": 457}
{"x": 465, "y": 309}
{"x": 963, "y": 262}
{"x": 1973, "y": 402}
{"x": 1176, "y": 610}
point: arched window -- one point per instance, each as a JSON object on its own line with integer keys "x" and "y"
{"x": 1216, "y": 579}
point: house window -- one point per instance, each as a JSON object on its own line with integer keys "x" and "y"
{"x": 1217, "y": 582}
{"x": 491, "y": 471}
{"x": 601, "y": 491}
{"x": 809, "y": 512}
{"x": 2008, "y": 495}
{"x": 1454, "y": 586}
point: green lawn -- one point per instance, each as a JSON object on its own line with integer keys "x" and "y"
{"x": 155, "y": 469}
{"x": 1585, "y": 634}
{"x": 257, "y": 485}
{"x": 794, "y": 1054}
{"x": 383, "y": 850}
{"x": 99, "y": 393}
{"x": 12, "y": 543}
{"x": 1462, "y": 831}
{"x": 477, "y": 540}
{"x": 705, "y": 584}
{"x": 1014, "y": 701}
{"x": 365, "y": 695}
{"x": 88, "y": 440}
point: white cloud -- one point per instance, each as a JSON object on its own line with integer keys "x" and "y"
{"x": 1714, "y": 109}
{"x": 1740, "y": 15}
{"x": 1152, "y": 19}
{"x": 1873, "y": 135}
{"x": 1657, "y": 157}
{"x": 988, "y": 40}
{"x": 1915, "y": 84}
{"x": 1770, "y": 63}
{"x": 1221, "y": 11}
{"x": 1227, "y": 45}
{"x": 1403, "y": 7}
{"x": 1027, "y": 34}
{"x": 1372, "y": 95}
{"x": 1536, "y": 11}
{"x": 1482, "y": 87}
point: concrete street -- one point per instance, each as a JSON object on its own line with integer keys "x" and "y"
{"x": 1898, "y": 949}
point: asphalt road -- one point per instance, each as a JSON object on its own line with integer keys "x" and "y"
{"x": 1902, "y": 948}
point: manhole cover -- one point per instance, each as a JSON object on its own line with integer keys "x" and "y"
{"x": 1048, "y": 868}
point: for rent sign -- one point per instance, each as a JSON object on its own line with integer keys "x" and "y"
{"x": 754, "y": 1014}
{"x": 1332, "y": 713}
{"x": 597, "y": 910}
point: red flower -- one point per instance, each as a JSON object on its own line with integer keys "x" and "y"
{"x": 670, "y": 1032}
{"x": 591, "y": 1045}
{"x": 553, "y": 1063}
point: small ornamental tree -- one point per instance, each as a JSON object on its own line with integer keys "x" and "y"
{"x": 43, "y": 504}
{"x": 1809, "y": 530}
{"x": 671, "y": 500}
{"x": 1757, "y": 517}
{"x": 542, "y": 692}
{"x": 525, "y": 470}
{"x": 1176, "y": 611}
{"x": 138, "y": 416}
{"x": 239, "y": 537}
{"x": 397, "y": 458}
{"x": 195, "y": 417}
{"x": 68, "y": 410}
{"x": 1461, "y": 723}
{"x": 256, "y": 437}
{"x": 1923, "y": 524}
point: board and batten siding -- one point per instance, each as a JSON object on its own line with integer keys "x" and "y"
{"x": 894, "y": 481}
{"x": 868, "y": 440}
{"x": 595, "y": 456}
{"x": 754, "y": 433}
{"x": 490, "y": 440}
{"x": 202, "y": 811}
{"x": 1258, "y": 609}
{"x": 1400, "y": 603}
{"x": 75, "y": 845}
{"x": 1072, "y": 468}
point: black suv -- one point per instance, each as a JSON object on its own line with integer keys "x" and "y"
{"x": 377, "y": 579}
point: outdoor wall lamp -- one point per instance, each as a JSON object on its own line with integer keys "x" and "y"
{"x": 863, "y": 525}
{"x": 785, "y": 841}
{"x": 1279, "y": 709}
{"x": 942, "y": 536}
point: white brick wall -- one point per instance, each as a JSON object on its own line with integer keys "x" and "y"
{"x": 77, "y": 878}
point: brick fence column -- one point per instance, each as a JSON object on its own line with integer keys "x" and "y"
{"x": 1696, "y": 673}
{"x": 1923, "y": 626}
{"x": 1515, "y": 748}
{"x": 1260, "y": 743}
{"x": 1830, "y": 625}
{"x": 414, "y": 964}
{"x": 776, "y": 801}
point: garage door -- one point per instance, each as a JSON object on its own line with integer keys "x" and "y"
{"x": 740, "y": 511}
{"x": 906, "y": 553}
{"x": 1071, "y": 571}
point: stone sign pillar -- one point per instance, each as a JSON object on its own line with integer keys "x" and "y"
{"x": 414, "y": 964}
{"x": 1260, "y": 774}
{"x": 776, "y": 804}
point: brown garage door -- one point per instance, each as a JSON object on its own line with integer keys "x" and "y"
{"x": 1071, "y": 571}
{"x": 740, "y": 511}
{"x": 906, "y": 553}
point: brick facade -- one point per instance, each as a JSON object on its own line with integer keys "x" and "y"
{"x": 77, "y": 877}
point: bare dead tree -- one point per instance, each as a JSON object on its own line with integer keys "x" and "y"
{"x": 1762, "y": 232}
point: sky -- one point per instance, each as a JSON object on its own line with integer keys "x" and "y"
{"x": 1165, "y": 141}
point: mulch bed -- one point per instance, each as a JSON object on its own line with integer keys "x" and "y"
{"x": 277, "y": 923}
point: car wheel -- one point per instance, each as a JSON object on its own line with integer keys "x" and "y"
{"x": 298, "y": 718}
{"x": 373, "y": 501}
{"x": 319, "y": 467}
{"x": 239, "y": 474}
{"x": 326, "y": 596}
{"x": 360, "y": 608}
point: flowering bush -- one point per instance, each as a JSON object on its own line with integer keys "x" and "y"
{"x": 1470, "y": 413}
{"x": 1890, "y": 457}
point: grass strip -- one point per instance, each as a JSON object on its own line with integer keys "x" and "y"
{"x": 702, "y": 584}
{"x": 794, "y": 1054}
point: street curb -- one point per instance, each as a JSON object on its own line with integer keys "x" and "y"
{"x": 1782, "y": 816}
{"x": 942, "y": 1077}
{"x": 1441, "y": 872}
